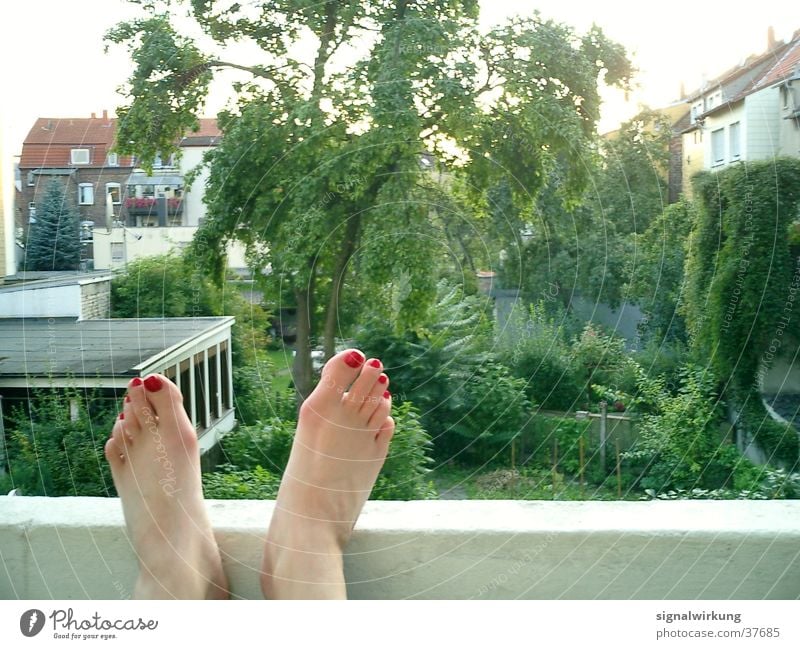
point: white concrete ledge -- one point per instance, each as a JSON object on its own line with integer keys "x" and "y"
{"x": 76, "y": 548}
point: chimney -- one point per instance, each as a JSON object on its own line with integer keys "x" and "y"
{"x": 94, "y": 115}
{"x": 683, "y": 90}
{"x": 770, "y": 38}
{"x": 105, "y": 114}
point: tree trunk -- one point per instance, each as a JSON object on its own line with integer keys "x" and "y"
{"x": 339, "y": 272}
{"x": 301, "y": 368}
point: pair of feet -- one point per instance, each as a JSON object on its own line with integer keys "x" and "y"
{"x": 342, "y": 439}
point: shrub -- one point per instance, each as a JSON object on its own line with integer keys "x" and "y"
{"x": 679, "y": 442}
{"x": 263, "y": 444}
{"x": 538, "y": 354}
{"x": 228, "y": 483}
{"x": 405, "y": 473}
{"x": 496, "y": 412}
{"x": 52, "y": 455}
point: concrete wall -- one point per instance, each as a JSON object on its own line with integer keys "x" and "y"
{"x": 154, "y": 241}
{"x": 76, "y": 548}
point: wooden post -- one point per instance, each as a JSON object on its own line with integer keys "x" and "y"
{"x": 603, "y": 416}
{"x": 555, "y": 465}
{"x": 513, "y": 452}
{"x": 619, "y": 471}
{"x": 580, "y": 464}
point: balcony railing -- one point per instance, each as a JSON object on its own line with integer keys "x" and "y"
{"x": 76, "y": 548}
{"x": 149, "y": 206}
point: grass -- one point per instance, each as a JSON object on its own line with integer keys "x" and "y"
{"x": 281, "y": 359}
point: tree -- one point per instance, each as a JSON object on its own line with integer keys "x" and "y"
{"x": 320, "y": 168}
{"x": 54, "y": 238}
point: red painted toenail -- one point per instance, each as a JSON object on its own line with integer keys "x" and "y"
{"x": 152, "y": 384}
{"x": 136, "y": 382}
{"x": 375, "y": 362}
{"x": 122, "y": 415}
{"x": 127, "y": 398}
{"x": 382, "y": 379}
{"x": 354, "y": 359}
{"x": 387, "y": 394}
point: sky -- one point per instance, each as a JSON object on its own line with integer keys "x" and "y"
{"x": 53, "y": 64}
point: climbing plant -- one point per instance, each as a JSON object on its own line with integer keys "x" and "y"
{"x": 743, "y": 284}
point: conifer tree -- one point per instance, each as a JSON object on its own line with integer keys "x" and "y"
{"x": 54, "y": 237}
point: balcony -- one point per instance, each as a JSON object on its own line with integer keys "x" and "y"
{"x": 76, "y": 548}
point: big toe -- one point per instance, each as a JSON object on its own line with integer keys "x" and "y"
{"x": 165, "y": 399}
{"x": 340, "y": 371}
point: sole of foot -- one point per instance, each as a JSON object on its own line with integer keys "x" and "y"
{"x": 343, "y": 435}
{"x": 155, "y": 463}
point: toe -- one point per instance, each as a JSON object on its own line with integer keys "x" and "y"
{"x": 340, "y": 371}
{"x": 160, "y": 399}
{"x": 384, "y": 434}
{"x": 375, "y": 397}
{"x": 363, "y": 386}
{"x": 381, "y": 413}
{"x": 113, "y": 454}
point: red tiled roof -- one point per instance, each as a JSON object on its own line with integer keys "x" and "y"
{"x": 783, "y": 69}
{"x": 49, "y": 142}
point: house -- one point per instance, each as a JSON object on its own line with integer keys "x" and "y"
{"x": 150, "y": 214}
{"x": 737, "y": 116}
{"x": 76, "y": 151}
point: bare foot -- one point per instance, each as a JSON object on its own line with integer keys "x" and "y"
{"x": 342, "y": 438}
{"x": 155, "y": 462}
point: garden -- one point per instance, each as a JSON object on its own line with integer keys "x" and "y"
{"x": 371, "y": 196}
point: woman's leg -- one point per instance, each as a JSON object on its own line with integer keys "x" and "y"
{"x": 343, "y": 435}
{"x": 155, "y": 463}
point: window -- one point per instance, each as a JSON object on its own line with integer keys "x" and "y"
{"x": 717, "y": 147}
{"x": 112, "y": 160}
{"x": 116, "y": 253}
{"x": 31, "y": 179}
{"x": 86, "y": 194}
{"x": 32, "y": 210}
{"x": 710, "y": 102}
{"x": 697, "y": 109}
{"x": 115, "y": 191}
{"x": 80, "y": 157}
{"x": 734, "y": 138}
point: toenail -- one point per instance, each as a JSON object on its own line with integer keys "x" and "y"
{"x": 127, "y": 398}
{"x": 152, "y": 384}
{"x": 387, "y": 394}
{"x": 382, "y": 379}
{"x": 122, "y": 415}
{"x": 136, "y": 382}
{"x": 375, "y": 362}
{"x": 354, "y": 359}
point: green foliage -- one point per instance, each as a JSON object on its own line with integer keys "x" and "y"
{"x": 163, "y": 286}
{"x": 536, "y": 350}
{"x": 263, "y": 444}
{"x": 405, "y": 473}
{"x": 601, "y": 358}
{"x": 679, "y": 443}
{"x": 54, "y": 238}
{"x": 657, "y": 276}
{"x": 496, "y": 413}
{"x": 228, "y": 483}
{"x": 742, "y": 287}
{"x": 52, "y": 455}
